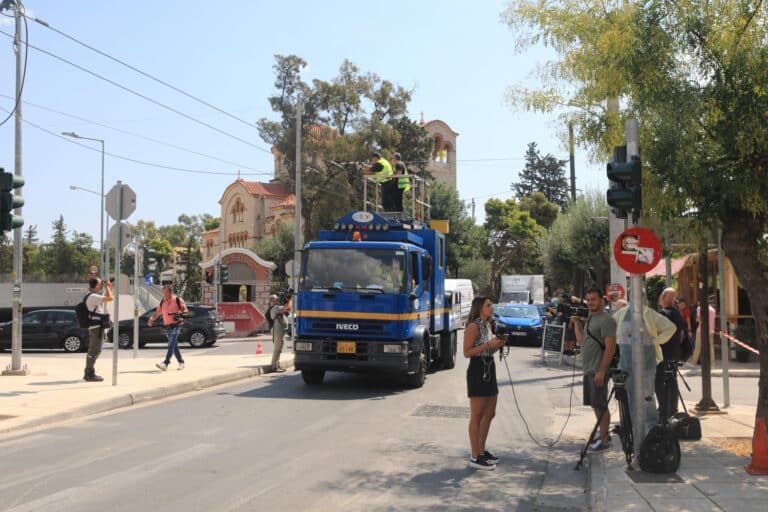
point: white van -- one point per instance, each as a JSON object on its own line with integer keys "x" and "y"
{"x": 466, "y": 293}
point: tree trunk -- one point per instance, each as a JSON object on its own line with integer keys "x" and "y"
{"x": 740, "y": 234}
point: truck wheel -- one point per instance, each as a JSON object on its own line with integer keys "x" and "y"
{"x": 313, "y": 377}
{"x": 448, "y": 350}
{"x": 416, "y": 379}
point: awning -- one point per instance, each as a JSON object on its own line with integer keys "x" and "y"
{"x": 661, "y": 267}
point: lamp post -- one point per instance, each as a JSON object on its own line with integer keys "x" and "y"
{"x": 104, "y": 255}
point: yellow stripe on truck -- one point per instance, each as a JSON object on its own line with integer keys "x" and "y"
{"x": 358, "y": 315}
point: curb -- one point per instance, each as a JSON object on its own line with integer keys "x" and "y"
{"x": 719, "y": 373}
{"x": 148, "y": 395}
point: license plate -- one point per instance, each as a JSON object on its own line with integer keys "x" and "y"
{"x": 518, "y": 334}
{"x": 345, "y": 347}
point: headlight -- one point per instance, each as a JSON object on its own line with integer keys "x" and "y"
{"x": 302, "y": 346}
{"x": 395, "y": 349}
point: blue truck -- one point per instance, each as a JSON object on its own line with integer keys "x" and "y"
{"x": 371, "y": 298}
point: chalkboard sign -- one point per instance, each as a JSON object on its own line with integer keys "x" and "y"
{"x": 553, "y": 338}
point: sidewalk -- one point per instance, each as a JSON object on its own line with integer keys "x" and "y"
{"x": 711, "y": 474}
{"x": 55, "y": 390}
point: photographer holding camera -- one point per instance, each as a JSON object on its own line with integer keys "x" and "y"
{"x": 276, "y": 314}
{"x": 94, "y": 302}
{"x": 172, "y": 307}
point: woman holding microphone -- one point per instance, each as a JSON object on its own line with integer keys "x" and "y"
{"x": 479, "y": 345}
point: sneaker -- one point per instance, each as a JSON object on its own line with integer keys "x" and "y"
{"x": 278, "y": 370}
{"x": 162, "y": 366}
{"x": 598, "y": 447}
{"x": 490, "y": 457}
{"x": 181, "y": 366}
{"x": 481, "y": 463}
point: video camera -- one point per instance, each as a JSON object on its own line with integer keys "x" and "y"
{"x": 618, "y": 375}
{"x": 179, "y": 317}
{"x": 580, "y": 311}
{"x": 284, "y": 296}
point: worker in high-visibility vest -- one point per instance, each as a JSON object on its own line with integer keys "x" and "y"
{"x": 403, "y": 181}
{"x": 381, "y": 170}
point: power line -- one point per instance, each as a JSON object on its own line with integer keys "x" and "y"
{"x": 24, "y": 73}
{"x": 119, "y": 130}
{"x": 147, "y": 98}
{"x": 143, "y": 73}
{"x": 137, "y": 161}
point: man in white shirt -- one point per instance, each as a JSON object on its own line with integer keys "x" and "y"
{"x": 95, "y": 301}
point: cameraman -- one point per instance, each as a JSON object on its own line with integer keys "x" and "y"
{"x": 598, "y": 342}
{"x": 277, "y": 314}
{"x": 172, "y": 307}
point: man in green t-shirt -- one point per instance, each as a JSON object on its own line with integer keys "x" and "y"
{"x": 598, "y": 343}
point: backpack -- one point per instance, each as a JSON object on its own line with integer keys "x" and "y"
{"x": 659, "y": 451}
{"x": 82, "y": 314}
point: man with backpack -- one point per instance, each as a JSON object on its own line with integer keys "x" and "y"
{"x": 671, "y": 353}
{"x": 598, "y": 343}
{"x": 172, "y": 308}
{"x": 94, "y": 302}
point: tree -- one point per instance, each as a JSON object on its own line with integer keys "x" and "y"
{"x": 278, "y": 249}
{"x": 540, "y": 208}
{"x": 707, "y": 63}
{"x": 343, "y": 120}
{"x": 542, "y": 174}
{"x": 512, "y": 234}
{"x": 464, "y": 241}
{"x": 575, "y": 249}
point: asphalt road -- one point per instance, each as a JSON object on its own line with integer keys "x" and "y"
{"x": 273, "y": 443}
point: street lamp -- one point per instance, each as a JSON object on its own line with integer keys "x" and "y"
{"x": 104, "y": 256}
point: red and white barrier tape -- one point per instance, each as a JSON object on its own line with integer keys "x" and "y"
{"x": 740, "y": 343}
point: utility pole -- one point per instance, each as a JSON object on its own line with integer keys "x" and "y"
{"x": 297, "y": 238}
{"x": 724, "y": 352}
{"x": 473, "y": 210}
{"x": 16, "y": 367}
{"x": 573, "y": 161}
{"x": 638, "y": 349}
{"x": 706, "y": 403}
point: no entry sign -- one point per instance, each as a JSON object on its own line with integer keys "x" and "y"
{"x": 637, "y": 250}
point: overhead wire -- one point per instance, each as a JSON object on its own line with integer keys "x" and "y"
{"x": 143, "y": 96}
{"x": 24, "y": 73}
{"x": 126, "y": 132}
{"x": 141, "y": 162}
{"x": 143, "y": 73}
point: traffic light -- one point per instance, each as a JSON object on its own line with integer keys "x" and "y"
{"x": 209, "y": 276}
{"x": 10, "y": 201}
{"x": 625, "y": 192}
{"x": 224, "y": 273}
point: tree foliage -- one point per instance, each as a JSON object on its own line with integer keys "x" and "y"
{"x": 576, "y": 250}
{"x": 279, "y": 249}
{"x": 512, "y": 236}
{"x": 542, "y": 210}
{"x": 545, "y": 174}
{"x": 343, "y": 120}
{"x": 695, "y": 75}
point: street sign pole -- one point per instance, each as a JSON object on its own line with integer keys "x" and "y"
{"x": 632, "y": 135}
{"x": 136, "y": 254}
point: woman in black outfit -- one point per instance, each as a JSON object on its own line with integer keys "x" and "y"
{"x": 479, "y": 345}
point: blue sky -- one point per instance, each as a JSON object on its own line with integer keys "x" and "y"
{"x": 456, "y": 55}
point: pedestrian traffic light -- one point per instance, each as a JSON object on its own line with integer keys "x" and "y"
{"x": 10, "y": 201}
{"x": 209, "y": 276}
{"x": 625, "y": 192}
{"x": 224, "y": 273}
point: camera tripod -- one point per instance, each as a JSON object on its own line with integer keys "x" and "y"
{"x": 624, "y": 428}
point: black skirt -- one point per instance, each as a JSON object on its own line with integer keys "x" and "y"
{"x": 481, "y": 377}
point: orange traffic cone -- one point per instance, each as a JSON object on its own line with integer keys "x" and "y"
{"x": 759, "y": 464}
{"x": 258, "y": 348}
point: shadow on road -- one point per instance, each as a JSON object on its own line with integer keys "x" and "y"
{"x": 336, "y": 386}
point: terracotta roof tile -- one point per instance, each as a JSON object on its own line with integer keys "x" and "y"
{"x": 257, "y": 188}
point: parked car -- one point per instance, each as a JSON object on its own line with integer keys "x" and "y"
{"x": 524, "y": 323}
{"x": 202, "y": 328}
{"x": 47, "y": 328}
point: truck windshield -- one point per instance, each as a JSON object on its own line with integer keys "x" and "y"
{"x": 364, "y": 270}
{"x": 519, "y": 297}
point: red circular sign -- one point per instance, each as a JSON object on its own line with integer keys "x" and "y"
{"x": 615, "y": 291}
{"x": 637, "y": 250}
